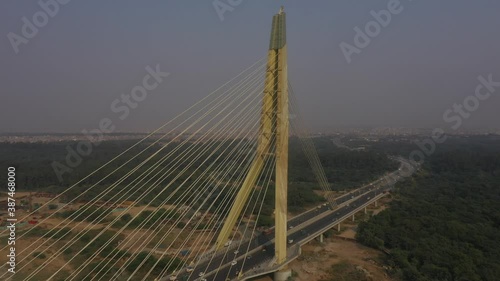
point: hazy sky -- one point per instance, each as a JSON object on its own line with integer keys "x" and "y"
{"x": 427, "y": 58}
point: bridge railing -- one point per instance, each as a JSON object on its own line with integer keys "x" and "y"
{"x": 293, "y": 252}
{"x": 341, "y": 219}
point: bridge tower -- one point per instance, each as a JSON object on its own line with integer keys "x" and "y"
{"x": 272, "y": 141}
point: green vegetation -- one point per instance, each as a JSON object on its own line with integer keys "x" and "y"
{"x": 39, "y": 255}
{"x": 59, "y": 233}
{"x": 144, "y": 265}
{"x": 345, "y": 169}
{"x": 97, "y": 242}
{"x": 88, "y": 213}
{"x": 265, "y": 220}
{"x": 160, "y": 216}
{"x": 445, "y": 222}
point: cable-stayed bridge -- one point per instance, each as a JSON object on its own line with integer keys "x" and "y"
{"x": 259, "y": 258}
{"x": 191, "y": 194}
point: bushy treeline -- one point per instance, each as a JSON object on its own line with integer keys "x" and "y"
{"x": 344, "y": 169}
{"x": 445, "y": 222}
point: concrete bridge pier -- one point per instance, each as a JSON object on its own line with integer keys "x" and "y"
{"x": 353, "y": 217}
{"x": 338, "y": 227}
{"x": 321, "y": 238}
{"x": 376, "y": 203}
{"x": 366, "y": 211}
{"x": 282, "y": 274}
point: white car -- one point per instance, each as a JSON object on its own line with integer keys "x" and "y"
{"x": 201, "y": 274}
{"x": 189, "y": 269}
{"x": 233, "y": 263}
{"x": 172, "y": 278}
{"x": 228, "y": 243}
{"x": 236, "y": 252}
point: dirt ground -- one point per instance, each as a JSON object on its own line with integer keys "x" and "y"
{"x": 28, "y": 247}
{"x": 317, "y": 260}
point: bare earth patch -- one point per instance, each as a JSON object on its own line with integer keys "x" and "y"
{"x": 317, "y": 260}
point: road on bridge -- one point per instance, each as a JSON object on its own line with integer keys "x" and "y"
{"x": 302, "y": 229}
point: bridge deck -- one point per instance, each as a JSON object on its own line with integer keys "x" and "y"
{"x": 259, "y": 259}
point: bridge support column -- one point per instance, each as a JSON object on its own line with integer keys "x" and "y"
{"x": 376, "y": 203}
{"x": 366, "y": 211}
{"x": 321, "y": 238}
{"x": 272, "y": 142}
{"x": 338, "y": 227}
{"x": 353, "y": 218}
{"x": 282, "y": 274}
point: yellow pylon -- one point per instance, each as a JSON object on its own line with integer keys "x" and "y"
{"x": 273, "y": 140}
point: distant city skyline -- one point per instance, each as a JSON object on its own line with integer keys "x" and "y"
{"x": 425, "y": 60}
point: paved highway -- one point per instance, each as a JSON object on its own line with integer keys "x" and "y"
{"x": 300, "y": 236}
{"x": 302, "y": 229}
